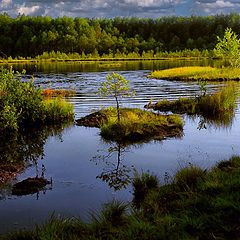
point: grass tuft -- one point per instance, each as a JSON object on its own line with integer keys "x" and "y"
{"x": 208, "y": 208}
{"x": 189, "y": 177}
{"x": 218, "y": 107}
{"x": 135, "y": 125}
{"x": 197, "y": 73}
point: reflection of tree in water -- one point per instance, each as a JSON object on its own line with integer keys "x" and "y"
{"x": 116, "y": 174}
{"x": 22, "y": 149}
{"x": 26, "y": 145}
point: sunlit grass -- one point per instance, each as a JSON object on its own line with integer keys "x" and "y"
{"x": 134, "y": 125}
{"x": 218, "y": 107}
{"x": 58, "y": 110}
{"x": 197, "y": 73}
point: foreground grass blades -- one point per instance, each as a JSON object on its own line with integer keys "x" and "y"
{"x": 135, "y": 125}
{"x": 198, "y": 73}
{"x": 195, "y": 204}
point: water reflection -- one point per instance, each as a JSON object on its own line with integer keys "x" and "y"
{"x": 224, "y": 121}
{"x": 27, "y": 145}
{"x": 21, "y": 150}
{"x": 115, "y": 173}
{"x": 88, "y": 66}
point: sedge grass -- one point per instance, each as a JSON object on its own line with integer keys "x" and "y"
{"x": 197, "y": 73}
{"x": 209, "y": 209}
{"x": 57, "y": 109}
{"x": 217, "y": 108}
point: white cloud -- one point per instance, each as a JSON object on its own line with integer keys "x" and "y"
{"x": 28, "y": 10}
{"x": 123, "y": 8}
{"x": 220, "y": 4}
{"x": 212, "y": 7}
{"x": 5, "y": 3}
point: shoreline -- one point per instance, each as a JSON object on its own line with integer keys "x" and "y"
{"x": 101, "y": 60}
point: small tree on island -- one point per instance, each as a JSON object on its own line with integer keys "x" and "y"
{"x": 115, "y": 86}
{"x": 229, "y": 47}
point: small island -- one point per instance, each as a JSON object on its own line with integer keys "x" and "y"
{"x": 135, "y": 125}
{"x": 195, "y": 73}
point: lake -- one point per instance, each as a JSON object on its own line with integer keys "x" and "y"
{"x": 87, "y": 172}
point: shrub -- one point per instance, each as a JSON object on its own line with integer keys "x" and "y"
{"x": 22, "y": 105}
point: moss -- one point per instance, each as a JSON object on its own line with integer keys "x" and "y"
{"x": 197, "y": 73}
{"x": 135, "y": 125}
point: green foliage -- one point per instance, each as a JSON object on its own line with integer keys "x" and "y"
{"x": 57, "y": 110}
{"x": 218, "y": 107}
{"x": 9, "y": 117}
{"x": 137, "y": 125}
{"x": 22, "y": 105}
{"x": 142, "y": 184}
{"x": 113, "y": 214}
{"x": 198, "y": 204}
{"x": 203, "y": 86}
{"x": 115, "y": 86}
{"x": 132, "y": 37}
{"x": 189, "y": 177}
{"x": 229, "y": 47}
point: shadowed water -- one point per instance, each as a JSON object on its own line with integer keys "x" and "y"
{"x": 86, "y": 171}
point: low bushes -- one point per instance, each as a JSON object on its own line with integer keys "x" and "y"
{"x": 22, "y": 105}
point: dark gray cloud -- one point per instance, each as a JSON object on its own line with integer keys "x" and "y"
{"x": 112, "y": 8}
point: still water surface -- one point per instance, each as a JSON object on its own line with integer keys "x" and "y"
{"x": 77, "y": 158}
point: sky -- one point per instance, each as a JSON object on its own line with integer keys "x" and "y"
{"x": 122, "y": 8}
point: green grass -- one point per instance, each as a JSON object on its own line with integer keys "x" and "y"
{"x": 218, "y": 107}
{"x": 22, "y": 104}
{"x": 135, "y": 125}
{"x": 57, "y": 110}
{"x": 198, "y": 73}
{"x": 196, "y": 204}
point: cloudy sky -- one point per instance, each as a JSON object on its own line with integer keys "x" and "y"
{"x": 113, "y": 8}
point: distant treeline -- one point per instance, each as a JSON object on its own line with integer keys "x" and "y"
{"x": 31, "y": 36}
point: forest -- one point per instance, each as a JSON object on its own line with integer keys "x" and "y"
{"x": 27, "y": 36}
